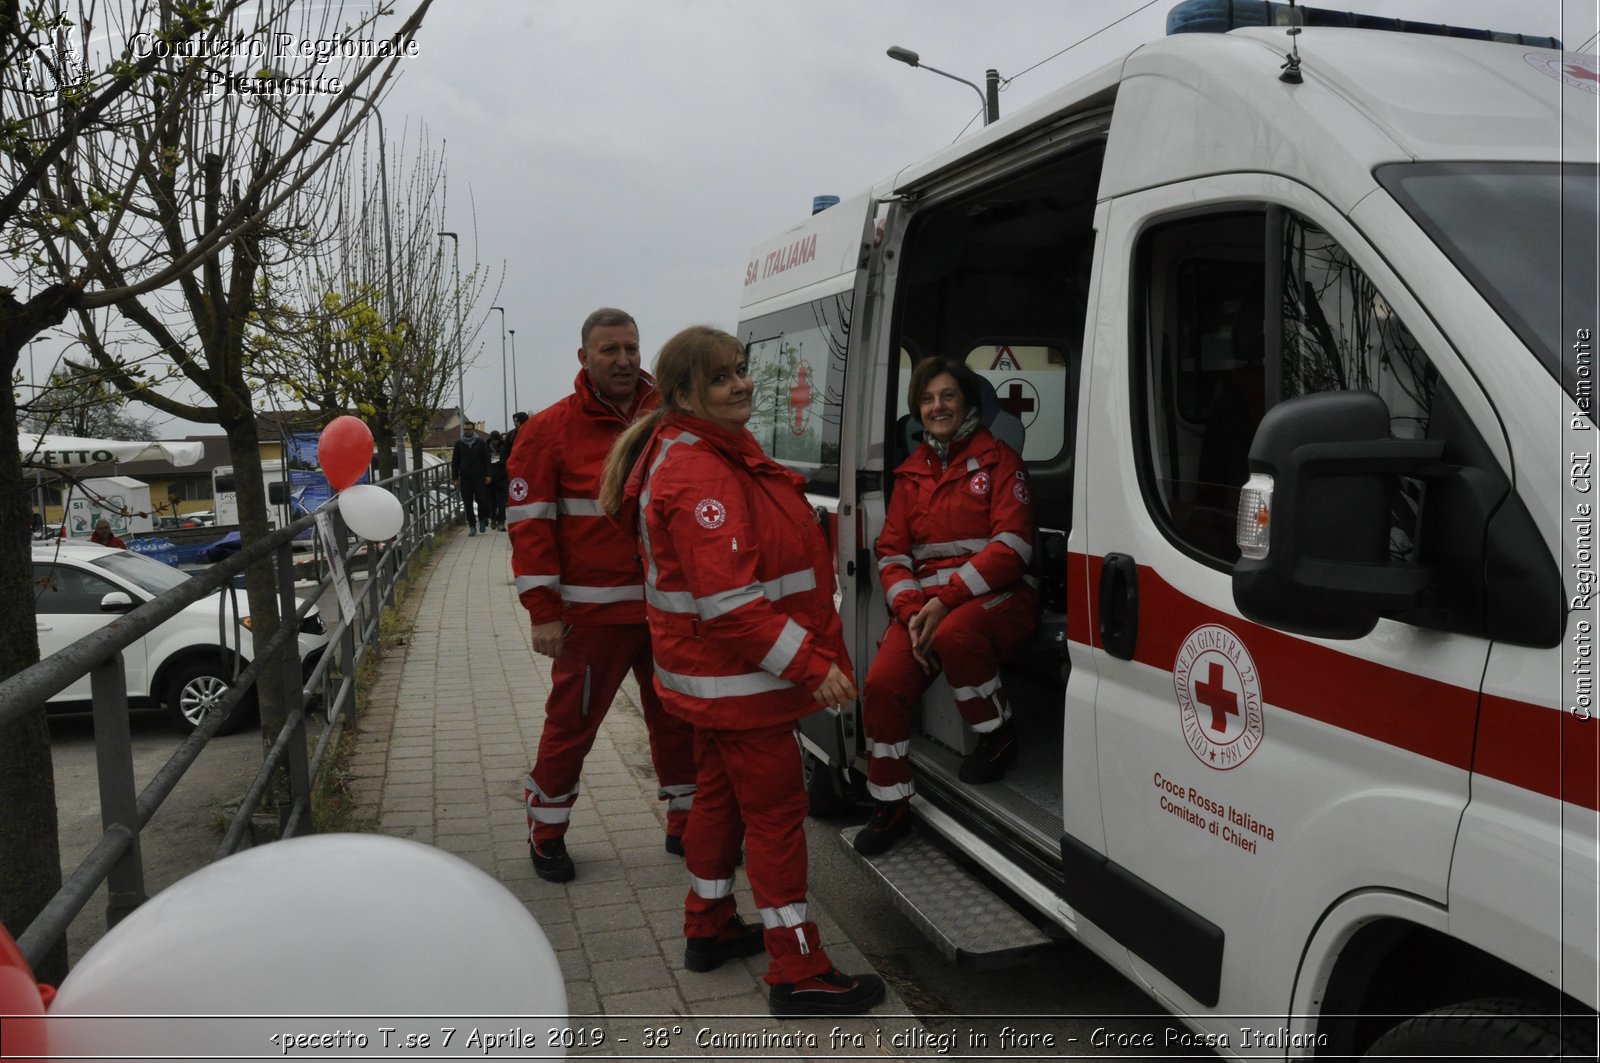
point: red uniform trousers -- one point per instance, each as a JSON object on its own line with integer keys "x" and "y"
{"x": 583, "y": 682}
{"x": 750, "y": 786}
{"x": 971, "y": 642}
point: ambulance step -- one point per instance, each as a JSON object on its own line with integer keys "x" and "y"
{"x": 966, "y": 920}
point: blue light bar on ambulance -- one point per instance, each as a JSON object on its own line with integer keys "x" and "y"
{"x": 1220, "y": 16}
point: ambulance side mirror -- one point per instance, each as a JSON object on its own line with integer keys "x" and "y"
{"x": 1314, "y": 518}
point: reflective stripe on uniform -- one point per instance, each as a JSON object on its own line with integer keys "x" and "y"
{"x": 580, "y": 507}
{"x": 1018, "y": 543}
{"x": 723, "y": 602}
{"x": 531, "y": 511}
{"x": 784, "y": 648}
{"x": 893, "y": 559}
{"x": 711, "y": 687}
{"x": 528, "y": 583}
{"x": 573, "y": 592}
{"x": 897, "y": 589}
{"x": 973, "y": 579}
{"x": 982, "y": 690}
{"x": 892, "y": 750}
{"x": 712, "y": 889}
{"x": 898, "y": 792}
{"x": 792, "y": 916}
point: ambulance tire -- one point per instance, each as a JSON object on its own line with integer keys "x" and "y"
{"x": 1481, "y": 1028}
{"x": 825, "y": 789}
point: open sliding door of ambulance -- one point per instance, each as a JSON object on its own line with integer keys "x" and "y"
{"x": 804, "y": 295}
{"x": 1251, "y": 778}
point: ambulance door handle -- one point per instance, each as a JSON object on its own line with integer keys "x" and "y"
{"x": 1119, "y": 605}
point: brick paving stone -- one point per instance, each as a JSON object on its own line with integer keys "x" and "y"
{"x": 448, "y": 732}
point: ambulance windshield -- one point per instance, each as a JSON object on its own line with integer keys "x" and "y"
{"x": 1524, "y": 234}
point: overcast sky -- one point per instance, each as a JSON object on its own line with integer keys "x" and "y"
{"x": 631, "y": 152}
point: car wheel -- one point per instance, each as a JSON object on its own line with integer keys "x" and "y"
{"x": 196, "y": 688}
{"x": 1480, "y": 1029}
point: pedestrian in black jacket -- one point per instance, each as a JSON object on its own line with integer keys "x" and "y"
{"x": 469, "y": 471}
{"x": 499, "y": 450}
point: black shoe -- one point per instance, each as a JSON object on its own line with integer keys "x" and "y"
{"x": 996, "y": 749}
{"x": 550, "y": 860}
{"x": 890, "y": 820}
{"x": 831, "y": 993}
{"x": 735, "y": 941}
{"x": 675, "y": 844}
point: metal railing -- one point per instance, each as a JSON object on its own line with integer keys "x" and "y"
{"x": 116, "y": 860}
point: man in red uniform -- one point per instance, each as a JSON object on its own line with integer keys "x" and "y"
{"x": 580, "y": 578}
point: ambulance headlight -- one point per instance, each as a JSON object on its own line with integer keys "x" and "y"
{"x": 1254, "y": 528}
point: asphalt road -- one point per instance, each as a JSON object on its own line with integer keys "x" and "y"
{"x": 1064, "y": 1001}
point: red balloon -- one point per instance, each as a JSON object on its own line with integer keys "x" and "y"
{"x": 345, "y": 450}
{"x": 21, "y": 996}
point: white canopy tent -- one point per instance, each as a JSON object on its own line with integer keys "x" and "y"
{"x": 66, "y": 452}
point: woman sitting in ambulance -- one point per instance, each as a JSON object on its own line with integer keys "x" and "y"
{"x": 952, "y": 558}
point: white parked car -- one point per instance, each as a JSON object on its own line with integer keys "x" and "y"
{"x": 183, "y": 664}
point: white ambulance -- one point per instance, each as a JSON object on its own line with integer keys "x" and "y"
{"x": 1294, "y": 334}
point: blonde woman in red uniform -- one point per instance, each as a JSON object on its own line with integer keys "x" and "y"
{"x": 739, "y": 596}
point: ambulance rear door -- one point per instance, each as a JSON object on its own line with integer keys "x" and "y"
{"x": 803, "y": 296}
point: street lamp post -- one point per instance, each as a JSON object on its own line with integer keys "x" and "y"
{"x": 395, "y": 427}
{"x": 991, "y": 98}
{"x": 515, "y": 401}
{"x": 505, "y": 395}
{"x": 461, "y": 355}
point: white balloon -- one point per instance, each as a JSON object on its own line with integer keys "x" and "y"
{"x": 372, "y": 512}
{"x": 372, "y": 930}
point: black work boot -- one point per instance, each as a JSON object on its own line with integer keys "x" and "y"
{"x": 550, "y": 860}
{"x": 734, "y": 941}
{"x": 890, "y": 820}
{"x": 831, "y": 993}
{"x": 996, "y": 749}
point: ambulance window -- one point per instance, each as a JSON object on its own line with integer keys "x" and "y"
{"x": 797, "y": 366}
{"x": 1030, "y": 384}
{"x": 1213, "y": 360}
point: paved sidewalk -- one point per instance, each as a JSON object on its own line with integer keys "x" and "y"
{"x": 449, "y": 732}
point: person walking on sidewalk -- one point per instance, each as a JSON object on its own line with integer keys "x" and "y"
{"x": 739, "y": 593}
{"x": 499, "y": 483}
{"x": 952, "y": 558}
{"x": 580, "y": 578}
{"x": 469, "y": 471}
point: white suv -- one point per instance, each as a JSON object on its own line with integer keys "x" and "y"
{"x": 184, "y": 664}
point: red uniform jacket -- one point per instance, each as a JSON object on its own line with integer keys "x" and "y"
{"x": 571, "y": 562}
{"x": 957, "y": 532}
{"x": 738, "y": 578}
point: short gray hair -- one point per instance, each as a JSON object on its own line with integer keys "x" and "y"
{"x": 605, "y": 317}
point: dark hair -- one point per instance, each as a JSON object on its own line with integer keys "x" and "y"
{"x": 928, "y": 368}
{"x": 519, "y": 417}
{"x": 494, "y": 437}
{"x": 604, "y": 317}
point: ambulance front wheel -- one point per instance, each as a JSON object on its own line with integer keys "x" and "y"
{"x": 825, "y": 787}
{"x": 1481, "y": 1028}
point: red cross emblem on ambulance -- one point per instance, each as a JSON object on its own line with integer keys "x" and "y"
{"x": 800, "y": 397}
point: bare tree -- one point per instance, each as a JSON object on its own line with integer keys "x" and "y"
{"x": 369, "y": 323}
{"x": 155, "y": 159}
{"x": 79, "y": 401}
